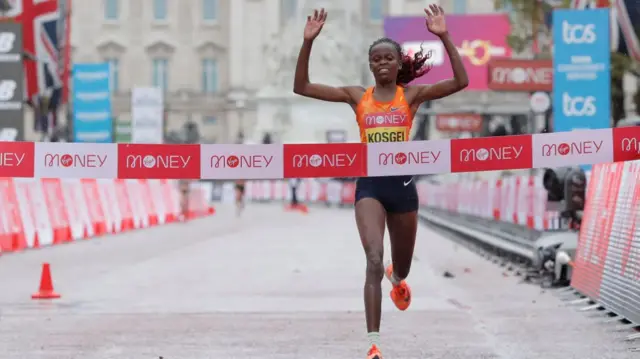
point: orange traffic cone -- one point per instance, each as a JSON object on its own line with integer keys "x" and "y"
{"x": 46, "y": 285}
{"x": 302, "y": 208}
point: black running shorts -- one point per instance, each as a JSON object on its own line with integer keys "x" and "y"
{"x": 397, "y": 194}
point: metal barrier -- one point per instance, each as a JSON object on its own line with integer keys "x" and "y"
{"x": 607, "y": 265}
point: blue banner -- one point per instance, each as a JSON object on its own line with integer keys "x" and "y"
{"x": 581, "y": 64}
{"x": 92, "y": 120}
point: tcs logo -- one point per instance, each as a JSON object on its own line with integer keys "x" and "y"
{"x": 578, "y": 105}
{"x": 578, "y": 33}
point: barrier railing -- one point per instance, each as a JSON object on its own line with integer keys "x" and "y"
{"x": 147, "y": 161}
{"x": 329, "y": 192}
{"x": 607, "y": 263}
{"x": 520, "y": 200}
{"x": 49, "y": 211}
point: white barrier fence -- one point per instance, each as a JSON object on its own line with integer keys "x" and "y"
{"x": 50, "y": 211}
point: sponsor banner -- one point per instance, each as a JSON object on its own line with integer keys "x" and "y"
{"x": 606, "y": 267}
{"x": 626, "y": 144}
{"x": 17, "y": 159}
{"x": 581, "y": 64}
{"x": 92, "y": 118}
{"x": 479, "y": 39}
{"x": 459, "y": 122}
{"x": 392, "y": 126}
{"x": 241, "y": 161}
{"x": 387, "y": 159}
{"x": 40, "y": 20}
{"x": 567, "y": 149}
{"x": 491, "y": 153}
{"x": 329, "y": 160}
{"x": 10, "y": 42}
{"x": 520, "y": 75}
{"x": 11, "y": 82}
{"x": 158, "y": 161}
{"x": 147, "y": 115}
{"x": 357, "y": 159}
{"x": 76, "y": 160}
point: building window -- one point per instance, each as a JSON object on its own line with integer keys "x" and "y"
{"x": 160, "y": 9}
{"x": 111, "y": 9}
{"x": 375, "y": 10}
{"x": 114, "y": 69}
{"x": 459, "y": 6}
{"x": 210, "y": 10}
{"x": 288, "y": 9}
{"x": 209, "y": 76}
{"x": 210, "y": 120}
{"x": 160, "y": 73}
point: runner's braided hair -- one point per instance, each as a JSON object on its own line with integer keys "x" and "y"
{"x": 412, "y": 67}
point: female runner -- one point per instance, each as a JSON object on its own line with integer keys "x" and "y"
{"x": 240, "y": 196}
{"x": 380, "y": 199}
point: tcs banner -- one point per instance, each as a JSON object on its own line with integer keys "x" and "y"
{"x": 581, "y": 62}
{"x": 92, "y": 119}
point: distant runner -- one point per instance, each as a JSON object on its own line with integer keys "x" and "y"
{"x": 240, "y": 196}
{"x": 185, "y": 189}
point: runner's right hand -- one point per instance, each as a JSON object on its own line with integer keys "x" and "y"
{"x": 314, "y": 24}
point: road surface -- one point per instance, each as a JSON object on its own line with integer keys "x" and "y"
{"x": 277, "y": 285}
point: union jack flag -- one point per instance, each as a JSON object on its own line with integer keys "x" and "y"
{"x": 40, "y": 26}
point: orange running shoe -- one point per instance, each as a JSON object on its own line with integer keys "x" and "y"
{"x": 401, "y": 293}
{"x": 374, "y": 353}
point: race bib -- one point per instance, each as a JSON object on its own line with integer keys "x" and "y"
{"x": 386, "y": 134}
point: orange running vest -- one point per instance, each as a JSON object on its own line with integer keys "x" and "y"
{"x": 384, "y": 121}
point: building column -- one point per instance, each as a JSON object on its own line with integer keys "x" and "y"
{"x": 236, "y": 44}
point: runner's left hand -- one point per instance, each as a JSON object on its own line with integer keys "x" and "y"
{"x": 435, "y": 20}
